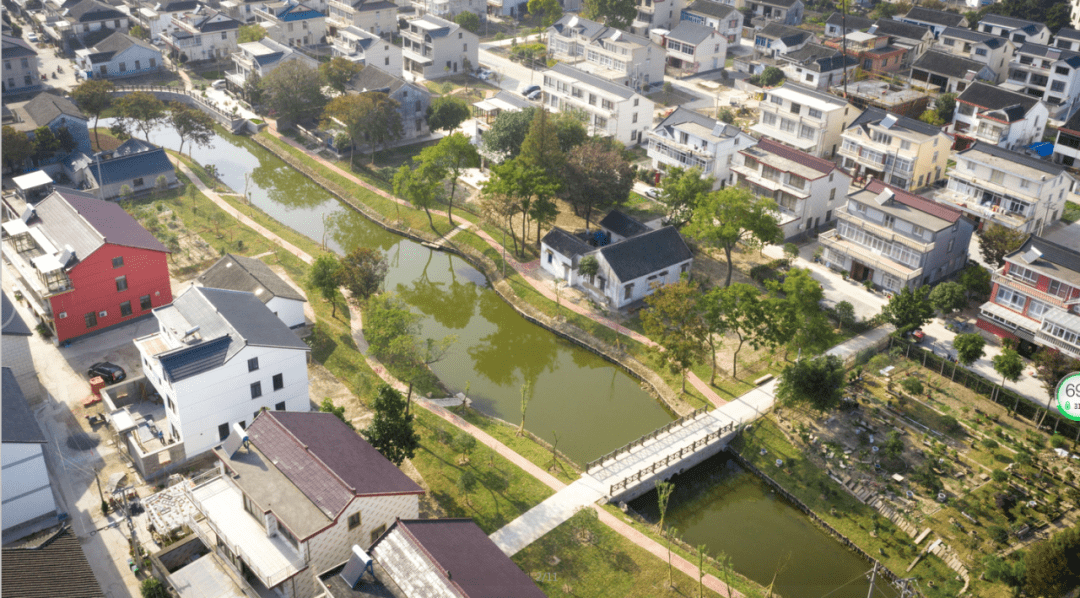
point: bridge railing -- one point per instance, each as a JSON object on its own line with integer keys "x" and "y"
{"x": 626, "y": 448}
{"x": 207, "y": 106}
{"x": 671, "y": 458}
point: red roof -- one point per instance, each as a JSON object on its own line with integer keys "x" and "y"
{"x": 328, "y": 461}
{"x": 819, "y": 164}
{"x": 916, "y": 201}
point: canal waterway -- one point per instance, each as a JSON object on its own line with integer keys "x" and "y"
{"x": 593, "y": 405}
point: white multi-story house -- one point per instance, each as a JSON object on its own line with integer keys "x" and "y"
{"x": 413, "y": 98}
{"x": 817, "y": 66}
{"x": 788, "y": 12}
{"x": 775, "y": 39}
{"x": 904, "y": 152}
{"x": 991, "y": 50}
{"x": 1035, "y": 297}
{"x": 239, "y": 273}
{"x": 377, "y": 17}
{"x": 618, "y": 56}
{"x": 217, "y": 359}
{"x": 1049, "y": 73}
{"x": 808, "y": 190}
{"x": 916, "y": 39}
{"x": 259, "y": 59}
{"x": 202, "y": 35}
{"x": 1018, "y": 31}
{"x": 936, "y": 20}
{"x": 1067, "y": 39}
{"x": 839, "y": 25}
{"x": 158, "y": 19}
{"x": 292, "y": 23}
{"x": 656, "y": 14}
{"x": 292, "y": 494}
{"x": 804, "y": 118}
{"x": 897, "y": 240}
{"x": 20, "y": 72}
{"x": 722, "y": 17}
{"x": 612, "y": 110}
{"x": 1067, "y": 145}
{"x": 948, "y": 73}
{"x": 999, "y": 117}
{"x": 119, "y": 55}
{"x": 29, "y": 503}
{"x": 357, "y": 45}
{"x": 1017, "y": 191}
{"x": 693, "y": 48}
{"x": 448, "y": 9}
{"x": 90, "y": 15}
{"x": 434, "y": 48}
{"x": 688, "y": 139}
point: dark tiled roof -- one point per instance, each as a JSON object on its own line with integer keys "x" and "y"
{"x": 623, "y": 225}
{"x": 900, "y": 29}
{"x": 239, "y": 273}
{"x": 1073, "y": 124}
{"x": 853, "y": 21}
{"x": 789, "y": 35}
{"x": 133, "y": 159}
{"x": 712, "y": 9}
{"x": 18, "y": 422}
{"x": 1030, "y": 27}
{"x": 565, "y": 243}
{"x": 780, "y": 3}
{"x": 46, "y": 107}
{"x": 1050, "y": 52}
{"x": 14, "y": 47}
{"x": 646, "y": 253}
{"x": 1057, "y": 260}
{"x": 92, "y": 10}
{"x": 328, "y": 461}
{"x": 185, "y": 362}
{"x": 684, "y": 115}
{"x": 118, "y": 42}
{"x": 68, "y": 214}
{"x": 12, "y": 321}
{"x": 467, "y": 556}
{"x": 917, "y": 202}
{"x": 590, "y": 79}
{"x": 691, "y": 33}
{"x": 936, "y": 17}
{"x": 818, "y": 58}
{"x": 178, "y": 6}
{"x": 819, "y": 164}
{"x": 991, "y": 41}
{"x": 949, "y": 65}
{"x": 874, "y": 115}
{"x": 252, "y": 320}
{"x": 56, "y": 568}
{"x": 1067, "y": 33}
{"x": 373, "y": 79}
{"x": 1011, "y": 156}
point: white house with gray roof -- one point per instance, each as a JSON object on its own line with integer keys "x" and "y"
{"x": 996, "y": 52}
{"x": 788, "y": 12}
{"x": 135, "y": 164}
{"x": 916, "y": 39}
{"x": 688, "y": 139}
{"x": 936, "y": 20}
{"x": 1067, "y": 39}
{"x": 239, "y": 273}
{"x": 722, "y": 17}
{"x": 633, "y": 258}
{"x": 1049, "y": 73}
{"x": 775, "y": 39}
{"x": 260, "y": 58}
{"x": 999, "y": 117}
{"x": 434, "y": 47}
{"x": 693, "y": 48}
{"x": 1019, "y": 31}
{"x": 366, "y": 48}
{"x": 204, "y": 34}
{"x": 217, "y": 359}
{"x": 817, "y": 66}
{"x": 948, "y": 73}
{"x": 839, "y": 25}
{"x": 612, "y": 110}
{"x": 804, "y": 118}
{"x": 606, "y": 52}
{"x": 119, "y": 55}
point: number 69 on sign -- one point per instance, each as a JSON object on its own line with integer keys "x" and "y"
{"x": 1068, "y": 396}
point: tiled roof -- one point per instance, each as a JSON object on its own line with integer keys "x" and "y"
{"x": 133, "y": 159}
{"x": 646, "y": 253}
{"x": 1011, "y": 156}
{"x": 14, "y": 47}
{"x": 118, "y": 42}
{"x": 991, "y": 41}
{"x": 56, "y": 568}
{"x": 780, "y": 3}
{"x": 13, "y": 323}
{"x": 853, "y": 21}
{"x": 464, "y": 554}
{"x": 69, "y": 217}
{"x": 590, "y": 79}
{"x": 949, "y": 65}
{"x": 623, "y": 225}
{"x": 178, "y": 6}
{"x": 1044, "y": 51}
{"x": 19, "y": 424}
{"x": 916, "y": 202}
{"x": 565, "y": 243}
{"x": 712, "y": 9}
{"x": 92, "y": 10}
{"x": 328, "y": 461}
{"x": 873, "y": 115}
{"x": 691, "y": 33}
{"x": 1057, "y": 260}
{"x": 1073, "y": 124}
{"x": 374, "y": 79}
{"x": 1067, "y": 33}
{"x": 819, "y": 164}
{"x": 936, "y": 17}
{"x": 252, "y": 320}
{"x": 789, "y": 35}
{"x": 899, "y": 29}
{"x": 1011, "y": 23}
{"x": 46, "y": 107}
{"x": 239, "y": 273}
{"x": 821, "y": 59}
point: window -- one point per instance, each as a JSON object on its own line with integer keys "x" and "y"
{"x": 949, "y": 41}
{"x": 144, "y": 302}
{"x": 814, "y": 113}
{"x": 279, "y": 381}
{"x": 253, "y": 364}
{"x": 795, "y": 108}
{"x": 256, "y": 390}
{"x": 1029, "y": 276}
{"x": 832, "y": 194}
{"x": 1061, "y": 70}
{"x": 118, "y": 262}
{"x": 1010, "y": 299}
{"x": 980, "y": 51}
{"x": 223, "y": 431}
{"x": 1055, "y": 288}
{"x": 997, "y": 177}
{"x": 635, "y": 118}
{"x": 768, "y": 118}
{"x": 123, "y": 67}
{"x": 375, "y": 533}
{"x": 280, "y": 406}
{"x": 628, "y": 291}
{"x": 775, "y": 99}
{"x": 137, "y": 182}
{"x": 354, "y": 521}
{"x": 121, "y": 283}
{"x": 288, "y": 535}
{"x": 91, "y": 319}
{"x": 153, "y": 63}
{"x": 1036, "y": 309}
{"x": 951, "y": 243}
{"x": 125, "y": 308}
{"x": 1058, "y": 86}
{"x": 137, "y": 65}
{"x": 806, "y": 132}
{"x": 224, "y": 35}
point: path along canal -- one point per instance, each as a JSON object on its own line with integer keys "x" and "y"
{"x": 593, "y": 405}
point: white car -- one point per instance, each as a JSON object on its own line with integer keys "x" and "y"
{"x": 219, "y": 84}
{"x": 32, "y": 37}
{"x": 484, "y": 74}
{"x": 653, "y": 192}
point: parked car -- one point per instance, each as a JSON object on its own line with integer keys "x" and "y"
{"x": 110, "y": 372}
{"x": 653, "y": 192}
{"x": 525, "y": 91}
{"x": 484, "y": 74}
{"x": 219, "y": 84}
{"x": 535, "y": 95}
{"x": 32, "y": 37}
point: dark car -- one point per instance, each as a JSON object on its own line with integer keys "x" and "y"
{"x": 110, "y": 372}
{"x": 530, "y": 89}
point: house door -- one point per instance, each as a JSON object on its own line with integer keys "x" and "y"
{"x": 566, "y": 272}
{"x": 861, "y": 272}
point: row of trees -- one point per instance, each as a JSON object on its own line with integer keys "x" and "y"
{"x": 42, "y": 147}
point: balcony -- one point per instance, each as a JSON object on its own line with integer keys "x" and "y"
{"x": 832, "y": 240}
{"x": 1026, "y": 288}
{"x": 683, "y": 157}
{"x": 754, "y": 176}
{"x": 1065, "y": 320}
{"x": 271, "y": 559}
{"x": 857, "y": 155}
{"x": 885, "y": 233}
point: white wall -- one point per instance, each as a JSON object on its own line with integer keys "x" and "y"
{"x": 553, "y": 262}
{"x": 289, "y": 311}
{"x": 25, "y": 476}
{"x": 615, "y": 288}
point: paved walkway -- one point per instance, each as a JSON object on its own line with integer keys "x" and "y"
{"x": 546, "y": 516}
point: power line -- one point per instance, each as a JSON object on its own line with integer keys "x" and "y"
{"x": 838, "y": 588}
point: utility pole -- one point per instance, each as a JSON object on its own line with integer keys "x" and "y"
{"x": 98, "y": 480}
{"x": 843, "y": 41}
{"x": 131, "y": 525}
{"x": 873, "y": 574}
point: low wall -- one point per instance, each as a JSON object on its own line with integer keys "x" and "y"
{"x": 176, "y": 94}
{"x": 647, "y": 483}
{"x": 157, "y": 463}
{"x": 128, "y": 392}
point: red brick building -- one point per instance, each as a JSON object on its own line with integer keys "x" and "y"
{"x": 85, "y": 264}
{"x": 1035, "y": 297}
{"x": 875, "y": 53}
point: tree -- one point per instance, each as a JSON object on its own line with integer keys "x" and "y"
{"x": 1010, "y": 365}
{"x": 1051, "y": 366}
{"x": 736, "y": 309}
{"x": 976, "y": 281}
{"x": 615, "y": 13}
{"x": 818, "y": 383}
{"x": 589, "y": 266}
{"x": 419, "y": 186}
{"x": 673, "y": 322}
{"x": 391, "y": 329}
{"x": 570, "y": 129}
{"x": 996, "y": 241}
{"x": 948, "y": 297}
{"x": 363, "y": 271}
{"x": 94, "y": 96}
{"x": 969, "y": 347}
{"x": 337, "y": 73}
{"x": 540, "y": 148}
{"x": 466, "y": 481}
{"x": 328, "y": 406}
{"x": 18, "y": 148}
{"x": 893, "y": 446}
{"x": 681, "y": 191}
{"x": 728, "y": 216}
{"x": 1053, "y": 566}
{"x": 325, "y": 276}
{"x": 944, "y": 106}
{"x": 797, "y": 318}
{"x": 45, "y": 144}
{"x": 524, "y": 186}
{"x": 446, "y": 113}
{"x": 152, "y": 587}
{"x": 191, "y": 124}
{"x": 253, "y": 90}
{"x": 144, "y": 109}
{"x": 931, "y": 117}
{"x": 507, "y": 133}
{"x": 499, "y": 202}
{"x": 293, "y": 92}
{"x": 463, "y": 443}
{"x": 596, "y": 177}
{"x": 770, "y": 77}
{"x": 391, "y": 429}
{"x": 453, "y": 155}
{"x": 663, "y": 496}
{"x": 549, "y": 11}
{"x": 909, "y": 309}
{"x": 469, "y": 20}
{"x": 371, "y": 116}
{"x": 845, "y": 312}
{"x": 250, "y": 33}
{"x": 526, "y": 398}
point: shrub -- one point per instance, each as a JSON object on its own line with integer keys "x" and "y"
{"x": 998, "y": 534}
{"x": 912, "y": 386}
{"x": 1057, "y": 441}
{"x": 44, "y": 330}
{"x": 153, "y": 588}
{"x": 999, "y": 476}
{"x": 990, "y": 443}
{"x": 951, "y": 424}
{"x": 763, "y": 272}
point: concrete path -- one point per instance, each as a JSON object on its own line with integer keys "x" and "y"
{"x": 547, "y": 515}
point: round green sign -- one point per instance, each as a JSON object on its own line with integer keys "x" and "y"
{"x": 1068, "y": 396}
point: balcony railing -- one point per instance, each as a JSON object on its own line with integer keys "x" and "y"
{"x": 832, "y": 240}
{"x": 885, "y": 233}
{"x": 1025, "y": 287}
{"x": 1072, "y": 350}
{"x": 856, "y": 155}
